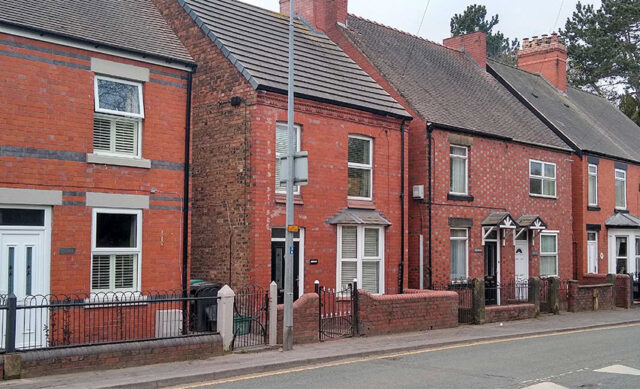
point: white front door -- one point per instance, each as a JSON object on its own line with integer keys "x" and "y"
{"x": 522, "y": 265}
{"x": 23, "y": 267}
{"x": 592, "y": 252}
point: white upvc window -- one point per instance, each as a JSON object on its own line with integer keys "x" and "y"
{"x": 116, "y": 247}
{"x": 361, "y": 257}
{"x": 622, "y": 253}
{"x": 548, "y": 254}
{"x": 542, "y": 179}
{"x": 282, "y": 148}
{"x": 458, "y": 183}
{"x": 360, "y": 167}
{"x": 117, "y": 122}
{"x": 459, "y": 253}
{"x": 593, "y": 185}
{"x": 621, "y": 189}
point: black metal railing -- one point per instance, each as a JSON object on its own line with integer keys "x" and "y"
{"x": 507, "y": 293}
{"x": 464, "y": 289}
{"x": 635, "y": 286}
{"x": 337, "y": 312}
{"x": 250, "y": 318}
{"x": 57, "y": 321}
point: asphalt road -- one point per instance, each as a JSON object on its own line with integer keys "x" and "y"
{"x": 600, "y": 358}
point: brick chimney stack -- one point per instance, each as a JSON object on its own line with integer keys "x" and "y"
{"x": 474, "y": 45}
{"x": 547, "y": 56}
{"x": 321, "y": 14}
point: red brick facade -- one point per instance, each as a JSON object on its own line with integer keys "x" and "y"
{"x": 235, "y": 204}
{"x": 47, "y": 99}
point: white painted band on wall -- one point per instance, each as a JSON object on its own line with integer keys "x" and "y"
{"x": 30, "y": 196}
{"x": 112, "y": 200}
{"x": 120, "y": 70}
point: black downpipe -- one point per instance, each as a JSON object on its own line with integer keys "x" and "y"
{"x": 185, "y": 204}
{"x": 429, "y": 194}
{"x": 402, "y": 194}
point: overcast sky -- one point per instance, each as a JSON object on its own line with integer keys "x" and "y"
{"x": 518, "y": 18}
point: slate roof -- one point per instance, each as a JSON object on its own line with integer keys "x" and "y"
{"x": 256, "y": 41}
{"x": 590, "y": 122}
{"x": 528, "y": 220}
{"x": 622, "y": 220}
{"x": 359, "y": 216}
{"x": 130, "y": 25}
{"x": 495, "y": 218}
{"x": 444, "y": 87}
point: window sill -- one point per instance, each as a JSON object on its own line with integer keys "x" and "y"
{"x": 118, "y": 161}
{"x": 620, "y": 210}
{"x": 281, "y": 198}
{"x": 543, "y": 196}
{"x": 360, "y": 204}
{"x": 459, "y": 197}
{"x": 593, "y": 208}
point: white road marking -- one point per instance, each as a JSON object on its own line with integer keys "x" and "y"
{"x": 619, "y": 369}
{"x": 546, "y": 385}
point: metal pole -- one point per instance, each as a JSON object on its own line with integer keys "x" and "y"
{"x": 287, "y": 328}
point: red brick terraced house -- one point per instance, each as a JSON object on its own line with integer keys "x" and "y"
{"x": 491, "y": 182}
{"x": 351, "y": 212}
{"x": 606, "y": 167}
{"x": 93, "y": 119}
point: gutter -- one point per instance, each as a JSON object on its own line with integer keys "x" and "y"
{"x": 429, "y": 200}
{"x": 185, "y": 201}
{"x": 402, "y": 216}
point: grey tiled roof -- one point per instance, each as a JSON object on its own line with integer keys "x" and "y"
{"x": 590, "y": 122}
{"x": 495, "y": 218}
{"x": 443, "y": 86}
{"x": 622, "y": 220}
{"x": 529, "y": 220}
{"x": 133, "y": 25}
{"x": 256, "y": 41}
{"x": 359, "y": 216}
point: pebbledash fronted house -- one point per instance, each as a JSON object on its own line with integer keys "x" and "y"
{"x": 350, "y": 214}
{"x": 606, "y": 160}
{"x": 491, "y": 183}
{"x": 93, "y": 119}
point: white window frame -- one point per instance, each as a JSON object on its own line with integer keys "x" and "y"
{"x": 360, "y": 255}
{"x": 138, "y": 139}
{"x": 548, "y": 254}
{"x": 595, "y": 175}
{"x": 113, "y": 112}
{"x": 361, "y": 166}
{"x": 297, "y": 128}
{"x": 466, "y": 168}
{"x": 117, "y": 251}
{"x": 624, "y": 179}
{"x": 543, "y": 178}
{"x": 466, "y": 252}
{"x": 596, "y": 258}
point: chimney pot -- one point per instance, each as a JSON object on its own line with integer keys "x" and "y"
{"x": 546, "y": 56}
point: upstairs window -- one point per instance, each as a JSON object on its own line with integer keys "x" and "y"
{"x": 621, "y": 189}
{"x": 117, "y": 120}
{"x": 542, "y": 179}
{"x": 458, "y": 174}
{"x": 282, "y": 148}
{"x": 593, "y": 185}
{"x": 360, "y": 167}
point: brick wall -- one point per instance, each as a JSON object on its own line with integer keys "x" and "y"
{"x": 500, "y": 313}
{"x": 623, "y": 286}
{"x": 74, "y": 360}
{"x": 582, "y": 297}
{"x": 305, "y": 319}
{"x": 47, "y": 95}
{"x": 379, "y": 315}
{"x": 234, "y": 168}
{"x": 473, "y": 44}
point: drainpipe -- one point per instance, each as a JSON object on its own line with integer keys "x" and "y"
{"x": 185, "y": 202}
{"x": 429, "y": 199}
{"x": 401, "y": 269}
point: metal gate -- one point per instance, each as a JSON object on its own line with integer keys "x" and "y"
{"x": 250, "y": 318}
{"x": 337, "y": 312}
{"x": 635, "y": 285}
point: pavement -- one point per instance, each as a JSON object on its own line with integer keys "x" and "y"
{"x": 239, "y": 364}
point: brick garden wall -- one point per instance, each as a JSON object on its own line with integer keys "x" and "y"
{"x": 581, "y": 297}
{"x": 500, "y": 313}
{"x": 623, "y": 286}
{"x": 47, "y": 99}
{"x": 379, "y": 315}
{"x": 305, "y": 319}
{"x": 74, "y": 360}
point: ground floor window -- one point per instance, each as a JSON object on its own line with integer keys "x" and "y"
{"x": 361, "y": 257}
{"x": 621, "y": 254}
{"x": 459, "y": 253}
{"x": 548, "y": 254}
{"x": 116, "y": 249}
